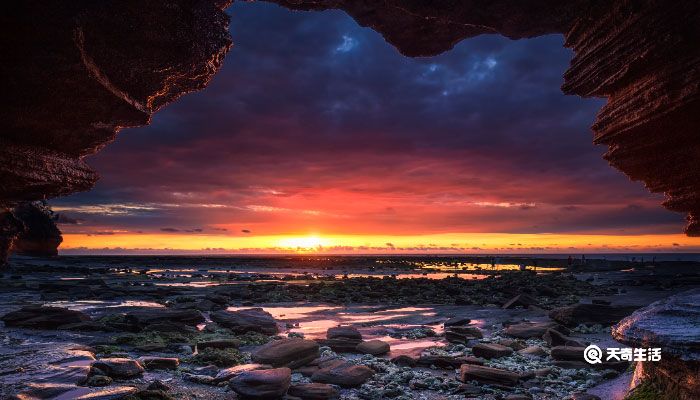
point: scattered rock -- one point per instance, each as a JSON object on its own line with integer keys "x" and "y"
{"x": 290, "y": 353}
{"x": 262, "y": 384}
{"x": 373, "y": 347}
{"x": 250, "y": 320}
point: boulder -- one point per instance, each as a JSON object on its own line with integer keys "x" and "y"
{"x": 673, "y": 325}
{"x": 264, "y": 384}
{"x": 491, "y": 350}
{"x": 342, "y": 373}
{"x": 43, "y": 317}
{"x": 314, "y": 391}
{"x": 347, "y": 332}
{"x": 590, "y": 314}
{"x": 488, "y": 375}
{"x": 250, "y": 320}
{"x": 290, "y": 353}
{"x": 119, "y": 367}
{"x": 373, "y": 347}
{"x": 159, "y": 362}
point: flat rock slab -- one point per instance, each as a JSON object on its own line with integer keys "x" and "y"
{"x": 488, "y": 375}
{"x": 290, "y": 353}
{"x": 262, "y": 384}
{"x": 673, "y": 324}
{"x": 119, "y": 367}
{"x": 249, "y": 320}
{"x": 43, "y": 317}
{"x": 491, "y": 350}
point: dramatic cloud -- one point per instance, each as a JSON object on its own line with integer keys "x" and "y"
{"x": 317, "y": 124}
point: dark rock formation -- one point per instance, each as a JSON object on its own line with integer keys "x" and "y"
{"x": 10, "y": 229}
{"x": 672, "y": 324}
{"x": 41, "y": 236}
{"x": 80, "y": 74}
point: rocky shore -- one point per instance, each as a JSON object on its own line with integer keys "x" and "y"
{"x": 118, "y": 334}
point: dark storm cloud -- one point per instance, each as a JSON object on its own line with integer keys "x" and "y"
{"x": 309, "y": 104}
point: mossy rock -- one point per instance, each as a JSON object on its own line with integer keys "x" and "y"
{"x": 220, "y": 357}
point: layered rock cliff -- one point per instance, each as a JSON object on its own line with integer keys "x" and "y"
{"x": 75, "y": 73}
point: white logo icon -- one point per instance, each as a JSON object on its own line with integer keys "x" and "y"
{"x": 593, "y": 354}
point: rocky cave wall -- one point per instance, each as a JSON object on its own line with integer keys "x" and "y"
{"x": 75, "y": 73}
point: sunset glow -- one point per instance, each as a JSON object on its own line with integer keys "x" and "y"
{"x": 347, "y": 146}
{"x": 375, "y": 244}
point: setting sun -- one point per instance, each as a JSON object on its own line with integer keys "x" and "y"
{"x": 304, "y": 243}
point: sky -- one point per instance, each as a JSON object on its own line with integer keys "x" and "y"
{"x": 318, "y": 136}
